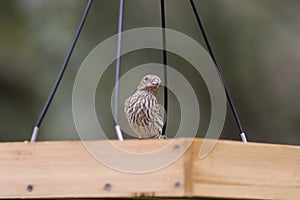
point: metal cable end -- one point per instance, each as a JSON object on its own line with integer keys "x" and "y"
{"x": 119, "y": 133}
{"x": 243, "y": 136}
{"x": 34, "y": 134}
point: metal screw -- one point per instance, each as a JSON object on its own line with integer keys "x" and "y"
{"x": 29, "y": 188}
{"x": 177, "y": 185}
{"x": 176, "y": 147}
{"x": 107, "y": 186}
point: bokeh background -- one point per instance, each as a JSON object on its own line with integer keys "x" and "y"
{"x": 257, "y": 44}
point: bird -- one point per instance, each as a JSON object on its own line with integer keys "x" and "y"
{"x": 143, "y": 111}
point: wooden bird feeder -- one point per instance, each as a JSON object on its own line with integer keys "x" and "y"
{"x": 65, "y": 169}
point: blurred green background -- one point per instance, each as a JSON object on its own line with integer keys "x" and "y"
{"x": 257, "y": 44}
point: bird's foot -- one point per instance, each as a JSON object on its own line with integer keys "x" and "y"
{"x": 162, "y": 137}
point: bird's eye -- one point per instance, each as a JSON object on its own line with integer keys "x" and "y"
{"x": 146, "y": 78}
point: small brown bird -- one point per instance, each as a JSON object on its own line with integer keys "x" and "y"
{"x": 142, "y": 109}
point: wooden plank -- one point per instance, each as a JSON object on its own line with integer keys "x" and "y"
{"x": 237, "y": 170}
{"x": 66, "y": 169}
{"x": 231, "y": 170}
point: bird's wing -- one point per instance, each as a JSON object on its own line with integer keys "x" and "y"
{"x": 127, "y": 100}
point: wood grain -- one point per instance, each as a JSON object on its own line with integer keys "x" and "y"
{"x": 238, "y": 170}
{"x": 66, "y": 169}
{"x": 232, "y": 170}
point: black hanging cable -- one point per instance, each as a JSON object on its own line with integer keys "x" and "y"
{"x": 163, "y": 25}
{"x": 232, "y": 106}
{"x": 61, "y": 73}
{"x": 117, "y": 75}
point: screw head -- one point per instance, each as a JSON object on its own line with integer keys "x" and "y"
{"x": 176, "y": 147}
{"x": 177, "y": 185}
{"x": 107, "y": 187}
{"x": 29, "y": 188}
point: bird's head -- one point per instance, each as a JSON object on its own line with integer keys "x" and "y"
{"x": 150, "y": 83}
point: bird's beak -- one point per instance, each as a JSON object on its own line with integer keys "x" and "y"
{"x": 155, "y": 83}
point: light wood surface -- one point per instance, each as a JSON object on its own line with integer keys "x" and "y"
{"x": 238, "y": 170}
{"x": 71, "y": 169}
